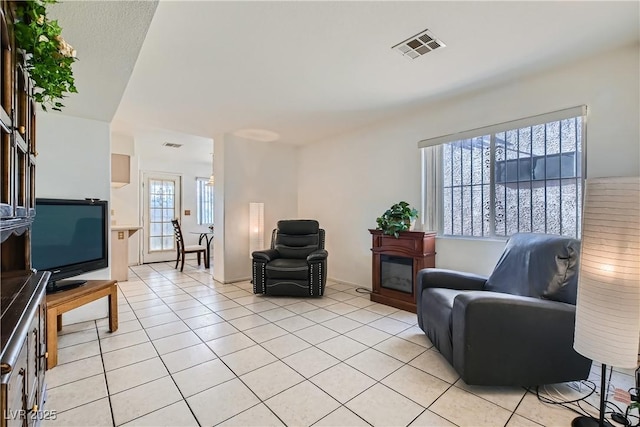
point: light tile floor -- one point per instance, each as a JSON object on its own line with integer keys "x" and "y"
{"x": 190, "y": 351}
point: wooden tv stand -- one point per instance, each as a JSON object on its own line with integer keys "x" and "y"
{"x": 63, "y": 301}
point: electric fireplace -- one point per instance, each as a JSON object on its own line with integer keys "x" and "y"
{"x": 396, "y": 272}
{"x": 395, "y": 263}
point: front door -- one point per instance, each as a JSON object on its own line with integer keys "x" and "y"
{"x": 161, "y": 204}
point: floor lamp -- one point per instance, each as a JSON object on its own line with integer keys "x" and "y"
{"x": 608, "y": 307}
{"x": 256, "y": 227}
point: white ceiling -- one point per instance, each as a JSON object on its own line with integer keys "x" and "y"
{"x": 310, "y": 70}
{"x": 107, "y": 36}
{"x": 149, "y": 145}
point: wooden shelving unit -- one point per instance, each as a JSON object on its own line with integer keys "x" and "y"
{"x": 23, "y": 312}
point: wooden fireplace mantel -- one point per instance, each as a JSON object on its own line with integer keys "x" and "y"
{"x": 420, "y": 246}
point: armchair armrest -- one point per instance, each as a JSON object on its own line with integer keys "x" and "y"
{"x": 317, "y": 261}
{"x": 317, "y": 256}
{"x": 450, "y": 279}
{"x": 265, "y": 255}
{"x": 505, "y": 339}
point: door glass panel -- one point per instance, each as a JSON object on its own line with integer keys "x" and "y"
{"x": 168, "y": 229}
{"x": 155, "y": 243}
{"x": 156, "y": 229}
{"x": 161, "y": 212}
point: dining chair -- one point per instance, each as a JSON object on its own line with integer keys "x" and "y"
{"x": 183, "y": 250}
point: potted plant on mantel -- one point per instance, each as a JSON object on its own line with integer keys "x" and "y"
{"x": 48, "y": 57}
{"x": 397, "y": 218}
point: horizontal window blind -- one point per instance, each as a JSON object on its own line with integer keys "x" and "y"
{"x": 502, "y": 127}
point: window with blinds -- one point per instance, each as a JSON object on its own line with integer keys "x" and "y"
{"x": 508, "y": 179}
{"x": 205, "y": 201}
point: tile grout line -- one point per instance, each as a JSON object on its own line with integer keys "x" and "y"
{"x": 293, "y": 332}
{"x": 231, "y": 370}
{"x": 104, "y": 372}
{"x": 302, "y": 314}
{"x": 516, "y": 408}
{"x": 288, "y": 333}
{"x": 168, "y": 373}
{"x": 277, "y": 359}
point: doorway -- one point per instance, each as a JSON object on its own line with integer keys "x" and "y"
{"x": 161, "y": 202}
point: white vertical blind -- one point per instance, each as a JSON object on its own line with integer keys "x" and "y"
{"x": 205, "y": 200}
{"x": 608, "y": 306}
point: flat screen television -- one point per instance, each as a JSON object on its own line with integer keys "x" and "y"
{"x": 68, "y": 238}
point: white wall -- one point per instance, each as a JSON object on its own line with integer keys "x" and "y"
{"x": 254, "y": 171}
{"x": 149, "y": 155}
{"x": 347, "y": 181}
{"x": 124, "y": 207}
{"x": 218, "y": 208}
{"x": 74, "y": 162}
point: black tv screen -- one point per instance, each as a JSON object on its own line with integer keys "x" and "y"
{"x": 69, "y": 237}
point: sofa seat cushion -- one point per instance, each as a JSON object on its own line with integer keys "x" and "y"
{"x": 437, "y": 306}
{"x": 283, "y": 268}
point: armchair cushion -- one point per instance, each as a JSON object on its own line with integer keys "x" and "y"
{"x": 537, "y": 265}
{"x": 297, "y": 239}
{"x": 285, "y": 268}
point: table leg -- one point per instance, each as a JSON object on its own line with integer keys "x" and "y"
{"x": 52, "y": 338}
{"x": 209, "y": 239}
{"x": 113, "y": 309}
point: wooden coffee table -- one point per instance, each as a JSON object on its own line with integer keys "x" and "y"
{"x": 63, "y": 301}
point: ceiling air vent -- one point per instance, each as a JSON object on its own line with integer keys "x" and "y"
{"x": 418, "y": 45}
{"x": 172, "y": 145}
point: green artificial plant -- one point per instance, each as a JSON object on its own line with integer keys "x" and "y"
{"x": 48, "y": 56}
{"x": 396, "y": 219}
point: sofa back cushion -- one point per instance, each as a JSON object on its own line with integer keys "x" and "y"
{"x": 296, "y": 239}
{"x": 538, "y": 265}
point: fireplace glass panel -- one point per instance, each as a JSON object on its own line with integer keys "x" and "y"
{"x": 396, "y": 273}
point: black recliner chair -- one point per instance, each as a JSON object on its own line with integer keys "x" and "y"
{"x": 514, "y": 328}
{"x": 296, "y": 264}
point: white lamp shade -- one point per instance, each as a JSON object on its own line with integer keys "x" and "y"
{"x": 608, "y": 305}
{"x": 120, "y": 170}
{"x": 256, "y": 227}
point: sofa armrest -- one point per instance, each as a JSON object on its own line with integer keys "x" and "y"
{"x": 265, "y": 255}
{"x": 450, "y": 279}
{"x": 317, "y": 256}
{"x": 504, "y": 339}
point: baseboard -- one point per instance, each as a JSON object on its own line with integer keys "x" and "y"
{"x": 333, "y": 279}
{"x": 345, "y": 282}
{"x": 228, "y": 282}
